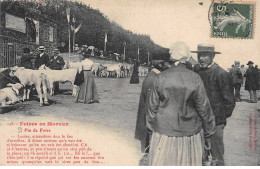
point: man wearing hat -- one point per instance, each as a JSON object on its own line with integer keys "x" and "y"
{"x": 26, "y": 59}
{"x": 251, "y": 84}
{"x": 220, "y": 91}
{"x": 42, "y": 58}
{"x": 56, "y": 63}
{"x": 142, "y": 133}
{"x": 237, "y": 78}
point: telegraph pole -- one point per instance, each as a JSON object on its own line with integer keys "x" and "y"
{"x": 148, "y": 59}
{"x": 124, "y": 44}
{"x": 68, "y": 18}
{"x": 105, "y": 46}
{"x": 138, "y": 54}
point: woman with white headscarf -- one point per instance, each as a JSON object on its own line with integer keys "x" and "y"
{"x": 178, "y": 110}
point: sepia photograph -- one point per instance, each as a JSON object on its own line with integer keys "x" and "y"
{"x": 129, "y": 83}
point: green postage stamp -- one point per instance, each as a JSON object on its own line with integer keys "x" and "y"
{"x": 233, "y": 19}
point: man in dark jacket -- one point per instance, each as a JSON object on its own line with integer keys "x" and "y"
{"x": 237, "y": 78}
{"x": 141, "y": 132}
{"x": 42, "y": 58}
{"x": 56, "y": 63}
{"x": 220, "y": 91}
{"x": 251, "y": 84}
{"x": 26, "y": 59}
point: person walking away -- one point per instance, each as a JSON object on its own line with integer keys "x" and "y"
{"x": 56, "y": 63}
{"x": 237, "y": 78}
{"x": 219, "y": 87}
{"x": 88, "y": 89}
{"x": 142, "y": 133}
{"x": 178, "y": 109}
{"x": 135, "y": 77}
{"x": 42, "y": 58}
{"x": 251, "y": 84}
{"x": 26, "y": 59}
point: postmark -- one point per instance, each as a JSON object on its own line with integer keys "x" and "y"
{"x": 232, "y": 19}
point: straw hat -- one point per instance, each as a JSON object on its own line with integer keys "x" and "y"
{"x": 206, "y": 48}
{"x": 41, "y": 48}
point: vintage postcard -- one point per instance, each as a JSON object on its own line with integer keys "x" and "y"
{"x": 129, "y": 82}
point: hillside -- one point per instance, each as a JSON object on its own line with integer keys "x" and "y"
{"x": 92, "y": 31}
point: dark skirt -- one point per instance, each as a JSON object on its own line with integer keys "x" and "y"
{"x": 134, "y": 78}
{"x": 88, "y": 89}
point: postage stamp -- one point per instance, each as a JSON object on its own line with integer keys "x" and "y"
{"x": 233, "y": 20}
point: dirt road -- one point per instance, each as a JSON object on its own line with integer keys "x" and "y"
{"x": 117, "y": 111}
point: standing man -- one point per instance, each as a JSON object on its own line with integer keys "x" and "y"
{"x": 26, "y": 59}
{"x": 220, "y": 91}
{"x": 251, "y": 84}
{"x": 56, "y": 63}
{"x": 237, "y": 78}
{"x": 142, "y": 133}
{"x": 42, "y": 58}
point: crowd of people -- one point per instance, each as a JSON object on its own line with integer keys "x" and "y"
{"x": 85, "y": 79}
{"x": 183, "y": 109}
{"x": 249, "y": 78}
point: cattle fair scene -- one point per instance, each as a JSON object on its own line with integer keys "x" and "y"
{"x": 129, "y": 83}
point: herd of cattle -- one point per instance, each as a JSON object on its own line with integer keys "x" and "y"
{"x": 16, "y": 82}
{"x": 108, "y": 70}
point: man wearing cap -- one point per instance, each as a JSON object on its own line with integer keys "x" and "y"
{"x": 178, "y": 110}
{"x": 42, "y": 58}
{"x": 251, "y": 83}
{"x": 220, "y": 91}
{"x": 141, "y": 132}
{"x": 56, "y": 63}
{"x": 26, "y": 59}
{"x": 237, "y": 78}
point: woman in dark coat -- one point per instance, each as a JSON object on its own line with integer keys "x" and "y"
{"x": 251, "y": 84}
{"x": 135, "y": 78}
{"x": 26, "y": 59}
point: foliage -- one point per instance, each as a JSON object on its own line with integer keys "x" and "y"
{"x": 94, "y": 26}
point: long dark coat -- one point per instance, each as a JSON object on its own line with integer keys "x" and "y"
{"x": 141, "y": 129}
{"x": 135, "y": 77}
{"x": 219, "y": 87}
{"x": 251, "y": 79}
{"x": 236, "y": 75}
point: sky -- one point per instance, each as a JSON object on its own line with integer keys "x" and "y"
{"x": 169, "y": 21}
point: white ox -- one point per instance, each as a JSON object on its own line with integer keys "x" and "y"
{"x": 30, "y": 77}
{"x": 95, "y": 68}
{"x": 113, "y": 67}
{"x": 9, "y": 94}
{"x": 74, "y": 65}
{"x": 66, "y": 75}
